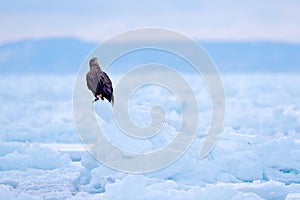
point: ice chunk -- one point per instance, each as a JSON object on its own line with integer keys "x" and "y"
{"x": 33, "y": 156}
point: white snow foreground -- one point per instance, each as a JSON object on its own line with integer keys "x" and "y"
{"x": 257, "y": 157}
{"x": 32, "y": 171}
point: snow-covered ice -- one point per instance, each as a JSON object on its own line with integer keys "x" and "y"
{"x": 257, "y": 157}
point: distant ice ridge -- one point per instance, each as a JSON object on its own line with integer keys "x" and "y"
{"x": 41, "y": 111}
{"x": 37, "y": 108}
{"x": 257, "y": 156}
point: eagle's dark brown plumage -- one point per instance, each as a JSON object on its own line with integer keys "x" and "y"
{"x": 99, "y": 82}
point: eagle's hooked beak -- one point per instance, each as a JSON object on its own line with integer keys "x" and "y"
{"x": 97, "y": 62}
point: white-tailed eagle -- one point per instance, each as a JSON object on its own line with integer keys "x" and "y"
{"x": 99, "y": 82}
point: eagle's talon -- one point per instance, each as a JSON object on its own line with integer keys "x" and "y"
{"x": 95, "y": 100}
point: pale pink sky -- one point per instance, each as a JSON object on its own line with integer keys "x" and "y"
{"x": 97, "y": 20}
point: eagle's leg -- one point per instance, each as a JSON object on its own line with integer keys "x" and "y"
{"x": 100, "y": 96}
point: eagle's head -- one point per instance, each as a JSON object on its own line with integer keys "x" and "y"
{"x": 94, "y": 62}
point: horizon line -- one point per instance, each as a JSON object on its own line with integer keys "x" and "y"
{"x": 93, "y": 41}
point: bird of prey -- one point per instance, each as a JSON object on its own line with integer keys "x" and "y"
{"x": 99, "y": 82}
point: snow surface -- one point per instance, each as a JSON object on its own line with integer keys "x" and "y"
{"x": 257, "y": 157}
